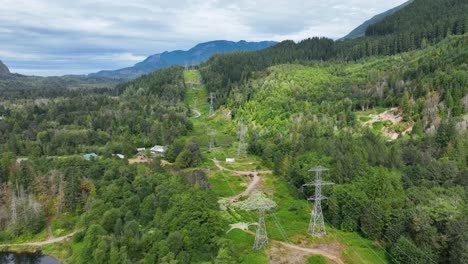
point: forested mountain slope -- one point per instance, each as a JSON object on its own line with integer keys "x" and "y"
{"x": 426, "y": 22}
{"x": 401, "y": 192}
{"x": 13, "y": 85}
{"x": 122, "y": 213}
{"x": 412, "y": 27}
{"x": 3, "y": 69}
{"x": 391, "y": 129}
{"x": 424, "y": 19}
{"x": 360, "y": 31}
{"x": 102, "y": 121}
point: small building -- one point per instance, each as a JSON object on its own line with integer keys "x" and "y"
{"x": 141, "y": 150}
{"x": 158, "y": 150}
{"x": 21, "y": 160}
{"x": 90, "y": 156}
{"x": 230, "y": 160}
{"x": 120, "y": 156}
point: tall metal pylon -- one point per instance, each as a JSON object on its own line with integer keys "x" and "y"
{"x": 195, "y": 104}
{"x": 242, "y": 149}
{"x": 257, "y": 201}
{"x": 212, "y": 134}
{"x": 261, "y": 236}
{"x": 211, "y": 105}
{"x": 316, "y": 224}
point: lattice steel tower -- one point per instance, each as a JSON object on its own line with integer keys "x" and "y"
{"x": 317, "y": 225}
{"x": 242, "y": 149}
{"x": 257, "y": 201}
{"x": 212, "y": 134}
{"x": 195, "y": 106}
{"x": 211, "y": 105}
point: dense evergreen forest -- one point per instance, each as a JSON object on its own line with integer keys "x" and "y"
{"x": 15, "y": 86}
{"x": 125, "y": 213}
{"x": 147, "y": 111}
{"x": 424, "y": 23}
{"x": 387, "y": 113}
{"x": 409, "y": 193}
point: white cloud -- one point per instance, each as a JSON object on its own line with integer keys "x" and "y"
{"x": 56, "y": 35}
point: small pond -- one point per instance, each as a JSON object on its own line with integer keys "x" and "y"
{"x": 25, "y": 258}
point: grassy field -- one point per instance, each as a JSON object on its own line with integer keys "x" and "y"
{"x": 242, "y": 243}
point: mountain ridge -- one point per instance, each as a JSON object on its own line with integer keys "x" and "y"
{"x": 199, "y": 53}
{"x": 360, "y": 31}
{"x": 4, "y": 69}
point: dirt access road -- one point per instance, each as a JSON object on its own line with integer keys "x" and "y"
{"x": 253, "y": 175}
{"x": 42, "y": 243}
{"x": 327, "y": 251}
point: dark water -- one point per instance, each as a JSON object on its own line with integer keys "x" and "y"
{"x": 25, "y": 258}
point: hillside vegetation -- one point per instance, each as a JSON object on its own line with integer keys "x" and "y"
{"x": 424, "y": 24}
{"x": 401, "y": 192}
{"x": 360, "y": 31}
{"x": 399, "y": 199}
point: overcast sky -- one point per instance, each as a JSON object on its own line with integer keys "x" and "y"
{"x": 56, "y": 37}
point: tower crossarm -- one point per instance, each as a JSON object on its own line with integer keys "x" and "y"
{"x": 313, "y": 198}
{"x": 318, "y": 183}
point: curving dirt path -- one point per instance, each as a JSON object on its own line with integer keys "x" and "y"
{"x": 41, "y": 243}
{"x": 197, "y": 113}
{"x": 333, "y": 256}
{"x": 253, "y": 175}
{"x": 319, "y": 249}
{"x": 323, "y": 250}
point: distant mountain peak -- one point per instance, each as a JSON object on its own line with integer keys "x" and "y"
{"x": 3, "y": 68}
{"x": 197, "y": 54}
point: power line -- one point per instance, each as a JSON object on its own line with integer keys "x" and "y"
{"x": 396, "y": 246}
{"x": 211, "y": 97}
{"x": 344, "y": 241}
{"x": 380, "y": 218}
{"x": 242, "y": 149}
{"x": 373, "y": 251}
{"x": 280, "y": 228}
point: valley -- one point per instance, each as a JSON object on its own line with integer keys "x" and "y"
{"x": 247, "y": 175}
{"x": 244, "y": 155}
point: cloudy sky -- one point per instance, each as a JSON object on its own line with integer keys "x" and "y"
{"x": 56, "y": 37}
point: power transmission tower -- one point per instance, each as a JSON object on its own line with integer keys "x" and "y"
{"x": 195, "y": 103}
{"x": 212, "y": 134}
{"x": 211, "y": 105}
{"x": 317, "y": 225}
{"x": 261, "y": 236}
{"x": 257, "y": 201}
{"x": 242, "y": 149}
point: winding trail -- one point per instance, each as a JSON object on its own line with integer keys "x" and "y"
{"x": 253, "y": 175}
{"x": 322, "y": 249}
{"x": 313, "y": 251}
{"x": 41, "y": 243}
{"x": 198, "y": 114}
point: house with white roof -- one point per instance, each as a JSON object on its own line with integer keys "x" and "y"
{"x": 158, "y": 150}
